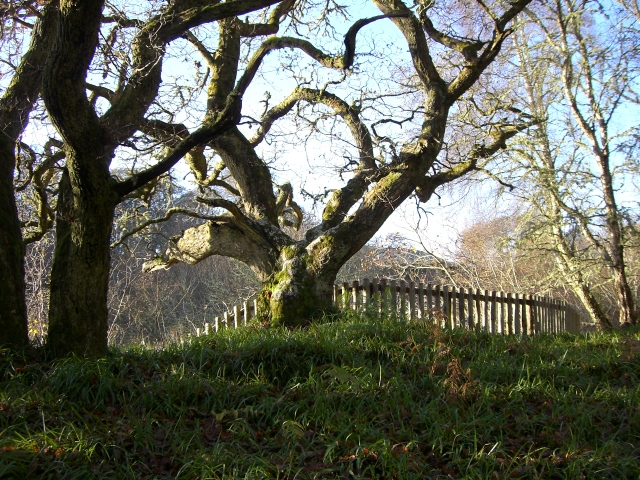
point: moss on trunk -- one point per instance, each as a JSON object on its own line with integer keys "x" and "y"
{"x": 294, "y": 294}
{"x": 80, "y": 273}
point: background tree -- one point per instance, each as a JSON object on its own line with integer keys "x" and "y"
{"x": 573, "y": 167}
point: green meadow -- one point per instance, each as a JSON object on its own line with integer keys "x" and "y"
{"x": 346, "y": 397}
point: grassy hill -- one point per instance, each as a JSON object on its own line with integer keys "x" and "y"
{"x": 355, "y": 397}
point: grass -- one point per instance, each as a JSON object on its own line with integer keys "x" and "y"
{"x": 353, "y": 398}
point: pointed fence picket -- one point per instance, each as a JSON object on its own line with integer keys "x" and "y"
{"x": 492, "y": 312}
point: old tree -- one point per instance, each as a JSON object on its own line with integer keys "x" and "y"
{"x": 115, "y": 89}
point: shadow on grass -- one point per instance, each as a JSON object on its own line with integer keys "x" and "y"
{"x": 354, "y": 398}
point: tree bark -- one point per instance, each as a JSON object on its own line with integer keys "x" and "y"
{"x": 15, "y": 107}
{"x": 87, "y": 199}
{"x": 80, "y": 272}
{"x": 13, "y": 312}
{"x": 626, "y": 304}
{"x": 297, "y": 291}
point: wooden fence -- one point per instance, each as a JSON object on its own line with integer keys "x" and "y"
{"x": 490, "y": 311}
{"x": 240, "y": 315}
{"x": 493, "y": 312}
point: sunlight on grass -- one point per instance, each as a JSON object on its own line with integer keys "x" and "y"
{"x": 350, "y": 398}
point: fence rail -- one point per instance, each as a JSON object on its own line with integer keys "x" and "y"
{"x": 489, "y": 311}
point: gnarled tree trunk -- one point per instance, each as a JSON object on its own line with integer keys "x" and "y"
{"x": 297, "y": 291}
{"x": 80, "y": 273}
{"x": 298, "y": 275}
{"x": 86, "y": 200}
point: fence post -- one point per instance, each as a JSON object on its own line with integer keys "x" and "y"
{"x": 539, "y": 315}
{"x": 528, "y": 329}
{"x": 236, "y": 316}
{"x": 355, "y": 291}
{"x": 535, "y": 319}
{"x": 393, "y": 300}
{"x": 470, "y": 322}
{"x": 478, "y": 309}
{"x": 509, "y": 329}
{"x": 451, "y": 307}
{"x": 503, "y": 313}
{"x": 486, "y": 322}
{"x": 438, "y": 309}
{"x": 561, "y": 326}
{"x": 421, "y": 301}
{"x": 445, "y": 306}
{"x": 366, "y": 296}
{"x": 517, "y": 327}
{"x": 403, "y": 299}
{"x": 494, "y": 312}
{"x": 430, "y": 299}
{"x": 384, "y": 307}
{"x": 412, "y": 301}
{"x": 346, "y": 296}
{"x": 246, "y": 313}
{"x": 461, "y": 305}
{"x": 547, "y": 314}
{"x": 525, "y": 317}
{"x": 375, "y": 296}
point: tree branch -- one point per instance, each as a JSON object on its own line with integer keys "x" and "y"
{"x": 152, "y": 221}
{"x": 416, "y": 40}
{"x": 223, "y": 121}
{"x": 428, "y": 185}
{"x": 124, "y": 116}
{"x": 344, "y": 62}
{"x": 469, "y": 50}
{"x": 221, "y": 236}
{"x": 470, "y": 73}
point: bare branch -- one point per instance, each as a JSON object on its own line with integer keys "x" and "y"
{"x": 470, "y": 73}
{"x": 153, "y": 221}
{"x": 344, "y": 62}
{"x": 428, "y": 185}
